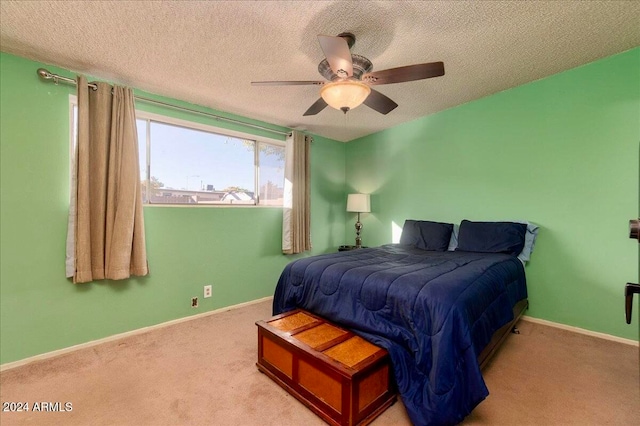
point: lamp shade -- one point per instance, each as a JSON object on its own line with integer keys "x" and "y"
{"x": 358, "y": 203}
{"x": 345, "y": 94}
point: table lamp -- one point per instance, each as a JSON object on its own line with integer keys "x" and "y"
{"x": 359, "y": 203}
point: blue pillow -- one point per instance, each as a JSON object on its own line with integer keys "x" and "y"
{"x": 529, "y": 240}
{"x": 426, "y": 235}
{"x": 453, "y": 242}
{"x": 492, "y": 237}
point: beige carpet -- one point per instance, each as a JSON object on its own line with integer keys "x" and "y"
{"x": 202, "y": 372}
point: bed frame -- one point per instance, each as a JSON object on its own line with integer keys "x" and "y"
{"x": 502, "y": 333}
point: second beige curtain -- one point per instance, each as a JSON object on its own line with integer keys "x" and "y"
{"x": 296, "y": 219}
{"x": 109, "y": 237}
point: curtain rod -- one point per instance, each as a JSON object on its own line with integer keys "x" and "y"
{"x": 46, "y": 75}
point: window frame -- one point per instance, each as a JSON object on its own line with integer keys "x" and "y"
{"x": 150, "y": 117}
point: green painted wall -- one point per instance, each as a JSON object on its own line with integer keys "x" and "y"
{"x": 237, "y": 250}
{"x": 561, "y": 152}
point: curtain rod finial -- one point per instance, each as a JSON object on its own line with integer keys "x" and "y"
{"x": 44, "y": 73}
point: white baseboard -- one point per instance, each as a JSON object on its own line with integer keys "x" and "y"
{"x": 581, "y": 331}
{"x": 52, "y": 354}
{"x": 142, "y": 330}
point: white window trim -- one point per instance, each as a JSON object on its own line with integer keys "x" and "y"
{"x": 144, "y": 115}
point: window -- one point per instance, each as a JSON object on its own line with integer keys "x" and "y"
{"x": 187, "y": 163}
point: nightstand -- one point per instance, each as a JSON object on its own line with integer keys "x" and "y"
{"x": 347, "y": 248}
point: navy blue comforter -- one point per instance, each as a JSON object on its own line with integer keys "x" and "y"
{"x": 433, "y": 311}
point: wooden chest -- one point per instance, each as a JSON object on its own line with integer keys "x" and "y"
{"x": 340, "y": 376}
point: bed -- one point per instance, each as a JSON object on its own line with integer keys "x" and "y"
{"x": 434, "y": 308}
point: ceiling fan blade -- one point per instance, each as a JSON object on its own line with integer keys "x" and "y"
{"x": 380, "y": 102}
{"x": 402, "y": 74}
{"x": 336, "y": 50}
{"x": 287, "y": 83}
{"x": 318, "y": 106}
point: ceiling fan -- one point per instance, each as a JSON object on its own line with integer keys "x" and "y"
{"x": 349, "y": 78}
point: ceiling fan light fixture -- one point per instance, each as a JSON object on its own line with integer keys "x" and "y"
{"x": 345, "y": 94}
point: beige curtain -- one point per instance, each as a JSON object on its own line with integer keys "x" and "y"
{"x": 296, "y": 218}
{"x": 108, "y": 241}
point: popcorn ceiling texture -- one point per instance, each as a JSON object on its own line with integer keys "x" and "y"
{"x": 207, "y": 53}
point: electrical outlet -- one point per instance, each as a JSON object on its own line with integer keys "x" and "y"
{"x": 207, "y": 291}
{"x": 194, "y": 302}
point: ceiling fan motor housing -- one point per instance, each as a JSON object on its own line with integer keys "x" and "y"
{"x": 361, "y": 65}
{"x": 350, "y": 38}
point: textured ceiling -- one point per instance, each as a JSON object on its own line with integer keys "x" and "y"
{"x": 208, "y": 52}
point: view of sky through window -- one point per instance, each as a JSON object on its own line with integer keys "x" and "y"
{"x": 190, "y": 166}
{"x": 195, "y": 160}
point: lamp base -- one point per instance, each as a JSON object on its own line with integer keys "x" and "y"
{"x": 358, "y": 229}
